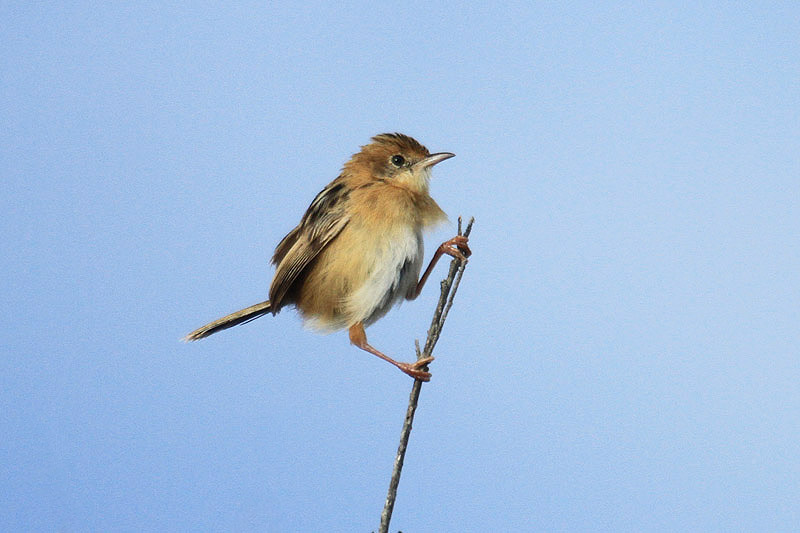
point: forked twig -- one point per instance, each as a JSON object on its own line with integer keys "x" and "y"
{"x": 449, "y": 287}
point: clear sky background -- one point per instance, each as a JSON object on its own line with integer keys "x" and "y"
{"x": 624, "y": 352}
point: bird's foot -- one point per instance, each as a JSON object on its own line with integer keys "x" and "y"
{"x": 415, "y": 369}
{"x": 456, "y": 247}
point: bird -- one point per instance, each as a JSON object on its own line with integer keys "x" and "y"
{"x": 358, "y": 249}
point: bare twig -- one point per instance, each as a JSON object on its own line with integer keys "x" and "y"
{"x": 449, "y": 287}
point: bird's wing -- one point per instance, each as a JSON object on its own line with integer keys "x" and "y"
{"x": 323, "y": 221}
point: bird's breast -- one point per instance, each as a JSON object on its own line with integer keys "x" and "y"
{"x": 392, "y": 263}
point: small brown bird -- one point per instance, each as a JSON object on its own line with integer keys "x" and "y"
{"x": 358, "y": 250}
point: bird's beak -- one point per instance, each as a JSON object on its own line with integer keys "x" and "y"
{"x": 433, "y": 159}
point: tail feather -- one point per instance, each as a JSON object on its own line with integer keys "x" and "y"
{"x": 234, "y": 319}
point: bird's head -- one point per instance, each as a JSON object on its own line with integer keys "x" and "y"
{"x": 398, "y": 159}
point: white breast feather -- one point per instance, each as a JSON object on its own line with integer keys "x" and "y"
{"x": 388, "y": 282}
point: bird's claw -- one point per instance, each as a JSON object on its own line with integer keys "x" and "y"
{"x": 457, "y": 247}
{"x": 415, "y": 369}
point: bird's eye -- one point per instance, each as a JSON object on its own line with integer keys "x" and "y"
{"x": 398, "y": 160}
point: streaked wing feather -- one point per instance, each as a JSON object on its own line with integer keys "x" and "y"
{"x": 323, "y": 221}
{"x": 285, "y": 245}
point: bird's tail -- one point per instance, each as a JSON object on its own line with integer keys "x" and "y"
{"x": 234, "y": 319}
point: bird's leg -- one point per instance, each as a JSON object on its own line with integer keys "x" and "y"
{"x": 358, "y": 337}
{"x": 456, "y": 247}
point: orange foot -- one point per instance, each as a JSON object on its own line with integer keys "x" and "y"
{"x": 415, "y": 369}
{"x": 456, "y": 247}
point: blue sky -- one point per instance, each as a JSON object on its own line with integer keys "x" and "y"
{"x": 622, "y": 354}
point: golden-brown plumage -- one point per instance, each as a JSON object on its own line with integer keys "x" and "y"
{"x": 358, "y": 249}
